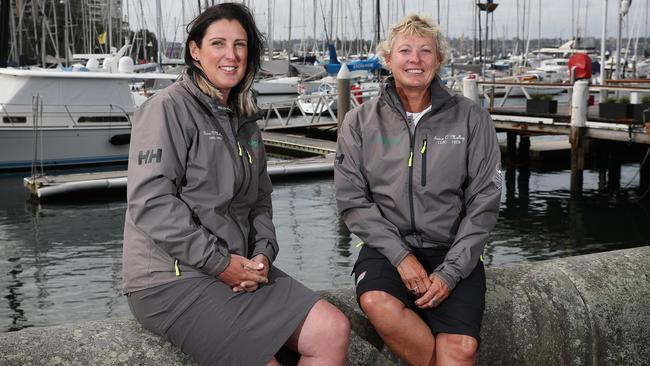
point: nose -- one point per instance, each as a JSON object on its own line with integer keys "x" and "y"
{"x": 231, "y": 54}
{"x": 414, "y": 56}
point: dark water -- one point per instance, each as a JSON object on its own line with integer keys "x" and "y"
{"x": 62, "y": 262}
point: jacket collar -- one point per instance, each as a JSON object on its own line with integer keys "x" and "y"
{"x": 214, "y": 105}
{"x": 440, "y": 95}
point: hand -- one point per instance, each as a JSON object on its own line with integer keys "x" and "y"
{"x": 241, "y": 271}
{"x": 413, "y": 275}
{"x": 436, "y": 294}
{"x": 250, "y": 286}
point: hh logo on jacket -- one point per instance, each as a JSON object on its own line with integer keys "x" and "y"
{"x": 149, "y": 156}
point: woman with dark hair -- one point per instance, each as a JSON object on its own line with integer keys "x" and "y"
{"x": 199, "y": 241}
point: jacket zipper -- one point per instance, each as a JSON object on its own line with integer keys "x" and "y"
{"x": 410, "y": 166}
{"x": 423, "y": 153}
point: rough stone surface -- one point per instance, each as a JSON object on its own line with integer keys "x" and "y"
{"x": 586, "y": 310}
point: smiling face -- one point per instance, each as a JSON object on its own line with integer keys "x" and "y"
{"x": 223, "y": 54}
{"x": 413, "y": 61}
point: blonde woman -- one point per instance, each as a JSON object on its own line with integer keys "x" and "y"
{"x": 418, "y": 179}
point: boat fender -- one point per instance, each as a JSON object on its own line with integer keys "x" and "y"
{"x": 121, "y": 139}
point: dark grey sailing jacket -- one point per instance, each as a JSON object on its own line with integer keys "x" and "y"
{"x": 437, "y": 187}
{"x": 198, "y": 189}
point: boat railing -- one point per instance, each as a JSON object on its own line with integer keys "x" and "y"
{"x": 320, "y": 104}
{"x": 488, "y": 88}
{"x": 71, "y": 112}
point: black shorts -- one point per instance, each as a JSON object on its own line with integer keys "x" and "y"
{"x": 460, "y": 313}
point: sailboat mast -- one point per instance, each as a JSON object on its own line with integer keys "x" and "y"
{"x": 159, "y": 31}
{"x": 603, "y": 36}
{"x": 270, "y": 29}
{"x": 289, "y": 37}
{"x": 110, "y": 26}
{"x": 66, "y": 35}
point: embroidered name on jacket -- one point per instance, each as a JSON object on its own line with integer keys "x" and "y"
{"x": 449, "y": 139}
{"x": 213, "y": 135}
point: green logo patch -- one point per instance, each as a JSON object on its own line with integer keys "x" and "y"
{"x": 390, "y": 141}
{"x": 254, "y": 143}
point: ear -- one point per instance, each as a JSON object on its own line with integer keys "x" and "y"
{"x": 194, "y": 50}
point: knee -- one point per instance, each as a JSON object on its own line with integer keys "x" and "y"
{"x": 378, "y": 304}
{"x": 459, "y": 347}
{"x": 337, "y": 327}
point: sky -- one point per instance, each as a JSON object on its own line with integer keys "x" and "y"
{"x": 456, "y": 17}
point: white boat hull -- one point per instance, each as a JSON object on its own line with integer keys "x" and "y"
{"x": 61, "y": 147}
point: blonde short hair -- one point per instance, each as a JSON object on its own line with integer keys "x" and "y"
{"x": 418, "y": 25}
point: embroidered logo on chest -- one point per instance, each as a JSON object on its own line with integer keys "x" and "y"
{"x": 213, "y": 135}
{"x": 449, "y": 140}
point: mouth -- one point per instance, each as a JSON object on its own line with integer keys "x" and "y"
{"x": 228, "y": 68}
{"x": 414, "y": 71}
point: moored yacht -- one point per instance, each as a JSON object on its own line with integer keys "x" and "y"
{"x": 56, "y": 118}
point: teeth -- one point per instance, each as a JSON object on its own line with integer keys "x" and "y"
{"x": 414, "y": 71}
{"x": 228, "y": 68}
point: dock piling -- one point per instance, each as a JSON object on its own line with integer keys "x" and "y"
{"x": 578, "y": 135}
{"x": 343, "y": 101}
{"x": 470, "y": 89}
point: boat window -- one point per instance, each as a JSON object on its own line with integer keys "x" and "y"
{"x": 13, "y": 119}
{"x": 102, "y": 119}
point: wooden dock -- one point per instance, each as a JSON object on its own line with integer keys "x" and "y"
{"x": 58, "y": 185}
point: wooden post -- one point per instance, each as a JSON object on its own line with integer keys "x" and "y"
{"x": 343, "y": 100}
{"x": 578, "y": 133}
{"x": 523, "y": 153}
{"x": 511, "y": 148}
{"x": 614, "y": 167}
{"x": 644, "y": 177}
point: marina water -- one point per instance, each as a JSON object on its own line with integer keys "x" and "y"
{"x": 62, "y": 262}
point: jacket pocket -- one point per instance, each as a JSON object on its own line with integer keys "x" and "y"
{"x": 423, "y": 153}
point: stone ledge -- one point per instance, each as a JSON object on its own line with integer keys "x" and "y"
{"x": 592, "y": 309}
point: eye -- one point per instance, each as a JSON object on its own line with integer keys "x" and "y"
{"x": 240, "y": 45}
{"x": 404, "y": 51}
{"x": 217, "y": 43}
{"x": 426, "y": 50}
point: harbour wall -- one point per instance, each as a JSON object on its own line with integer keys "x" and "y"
{"x": 585, "y": 310}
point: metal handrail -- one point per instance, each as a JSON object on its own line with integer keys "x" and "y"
{"x": 321, "y": 106}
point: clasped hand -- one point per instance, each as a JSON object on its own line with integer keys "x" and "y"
{"x": 244, "y": 274}
{"x": 429, "y": 289}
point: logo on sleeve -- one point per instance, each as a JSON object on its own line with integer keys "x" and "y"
{"x": 149, "y": 156}
{"x": 498, "y": 178}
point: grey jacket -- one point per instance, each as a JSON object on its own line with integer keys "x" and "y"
{"x": 437, "y": 187}
{"x": 197, "y": 189}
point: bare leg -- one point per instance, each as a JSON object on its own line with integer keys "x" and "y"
{"x": 456, "y": 349}
{"x": 323, "y": 337}
{"x": 401, "y": 329}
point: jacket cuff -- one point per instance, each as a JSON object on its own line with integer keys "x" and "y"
{"x": 266, "y": 247}
{"x": 449, "y": 280}
{"x": 399, "y": 257}
{"x": 218, "y": 261}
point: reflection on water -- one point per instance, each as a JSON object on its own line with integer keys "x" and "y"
{"x": 62, "y": 262}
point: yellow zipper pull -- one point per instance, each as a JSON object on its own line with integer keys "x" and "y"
{"x": 239, "y": 147}
{"x": 250, "y": 158}
{"x": 178, "y": 270}
{"x": 424, "y": 146}
{"x": 359, "y": 244}
{"x": 411, "y": 159}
